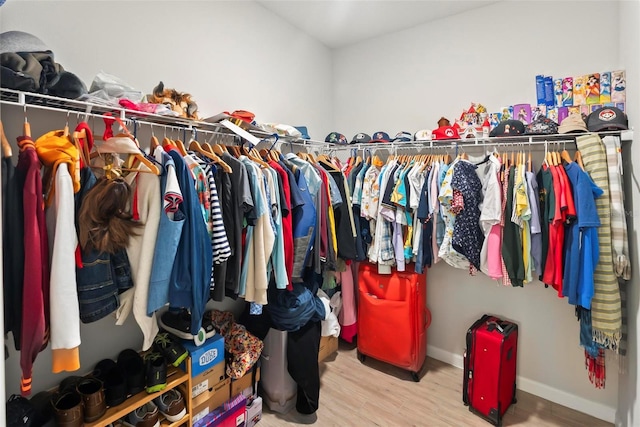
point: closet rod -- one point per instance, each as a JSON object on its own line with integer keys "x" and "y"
{"x": 166, "y": 122}
{"x": 175, "y": 127}
{"x": 521, "y": 141}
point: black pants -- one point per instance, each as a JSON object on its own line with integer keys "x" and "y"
{"x": 302, "y": 354}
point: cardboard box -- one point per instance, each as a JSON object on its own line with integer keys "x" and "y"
{"x": 237, "y": 386}
{"x": 211, "y": 398}
{"x": 207, "y": 379}
{"x": 254, "y": 412}
{"x": 328, "y": 346}
{"x": 204, "y": 357}
{"x": 231, "y": 414}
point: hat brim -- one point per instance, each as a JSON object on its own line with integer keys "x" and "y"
{"x": 607, "y": 126}
{"x": 572, "y": 128}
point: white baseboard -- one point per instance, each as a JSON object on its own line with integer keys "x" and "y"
{"x": 595, "y": 409}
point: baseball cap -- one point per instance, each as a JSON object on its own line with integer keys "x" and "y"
{"x": 508, "y": 128}
{"x": 422, "y": 135}
{"x": 572, "y": 123}
{"x": 303, "y": 131}
{"x": 336, "y": 138}
{"x": 360, "y": 138}
{"x": 607, "y": 118}
{"x": 446, "y": 132}
{"x": 541, "y": 126}
{"x": 403, "y": 137}
{"x": 380, "y": 137}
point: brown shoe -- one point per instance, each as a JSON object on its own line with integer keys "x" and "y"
{"x": 68, "y": 410}
{"x": 92, "y": 394}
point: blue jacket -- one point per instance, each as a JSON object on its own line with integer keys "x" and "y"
{"x": 164, "y": 255}
{"x": 191, "y": 274}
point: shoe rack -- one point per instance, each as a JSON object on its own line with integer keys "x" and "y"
{"x": 176, "y": 377}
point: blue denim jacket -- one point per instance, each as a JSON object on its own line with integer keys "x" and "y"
{"x": 103, "y": 276}
{"x": 164, "y": 255}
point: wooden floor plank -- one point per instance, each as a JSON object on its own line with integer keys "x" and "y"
{"x": 377, "y": 394}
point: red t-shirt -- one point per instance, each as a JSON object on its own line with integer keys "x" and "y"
{"x": 287, "y": 224}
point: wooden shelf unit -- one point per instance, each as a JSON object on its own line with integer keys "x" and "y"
{"x": 175, "y": 378}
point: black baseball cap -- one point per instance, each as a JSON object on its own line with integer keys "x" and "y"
{"x": 607, "y": 118}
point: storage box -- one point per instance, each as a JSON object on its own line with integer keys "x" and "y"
{"x": 212, "y": 397}
{"x": 328, "y": 345}
{"x": 254, "y": 412}
{"x": 237, "y": 386}
{"x": 207, "y": 379}
{"x": 204, "y": 357}
{"x": 231, "y": 414}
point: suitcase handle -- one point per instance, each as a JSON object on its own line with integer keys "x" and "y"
{"x": 427, "y": 313}
{"x": 504, "y": 328}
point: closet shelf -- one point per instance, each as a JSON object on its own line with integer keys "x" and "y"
{"x": 91, "y": 109}
{"x": 521, "y": 141}
{"x": 175, "y": 377}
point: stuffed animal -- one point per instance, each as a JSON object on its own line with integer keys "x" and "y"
{"x": 181, "y": 103}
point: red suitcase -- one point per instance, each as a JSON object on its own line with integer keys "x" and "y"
{"x": 393, "y": 317}
{"x": 489, "y": 384}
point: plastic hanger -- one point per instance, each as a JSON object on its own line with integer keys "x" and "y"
{"x": 132, "y": 157}
{"x": 82, "y": 148}
{"x": 6, "y": 147}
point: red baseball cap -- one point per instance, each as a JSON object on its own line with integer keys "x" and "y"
{"x": 446, "y": 132}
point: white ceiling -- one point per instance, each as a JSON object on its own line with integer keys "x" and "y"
{"x": 338, "y": 23}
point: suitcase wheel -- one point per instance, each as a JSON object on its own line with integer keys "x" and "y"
{"x": 415, "y": 377}
{"x": 361, "y": 357}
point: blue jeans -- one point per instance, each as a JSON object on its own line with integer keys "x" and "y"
{"x": 100, "y": 280}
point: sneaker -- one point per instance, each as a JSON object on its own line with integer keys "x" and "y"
{"x": 171, "y": 405}
{"x": 145, "y": 416}
{"x": 155, "y": 372}
{"x": 177, "y": 322}
{"x": 171, "y": 349}
{"x": 132, "y": 365}
{"x": 207, "y": 325}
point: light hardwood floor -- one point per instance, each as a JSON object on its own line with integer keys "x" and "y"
{"x": 377, "y": 394}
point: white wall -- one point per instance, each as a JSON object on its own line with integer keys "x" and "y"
{"x": 629, "y": 17}
{"x": 228, "y": 55}
{"x": 408, "y": 80}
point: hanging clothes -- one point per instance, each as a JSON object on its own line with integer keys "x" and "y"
{"x": 172, "y": 219}
{"x": 35, "y": 303}
{"x": 62, "y": 179}
{"x": 606, "y": 314}
{"x": 13, "y": 235}
{"x": 191, "y": 277}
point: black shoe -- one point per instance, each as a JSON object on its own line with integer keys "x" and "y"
{"x": 155, "y": 370}
{"x": 133, "y": 367}
{"x": 177, "y": 322}
{"x": 69, "y": 384}
{"x": 43, "y": 406}
{"x": 102, "y": 369}
{"x": 115, "y": 386}
{"x": 113, "y": 379}
{"x": 207, "y": 325}
{"x": 170, "y": 348}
